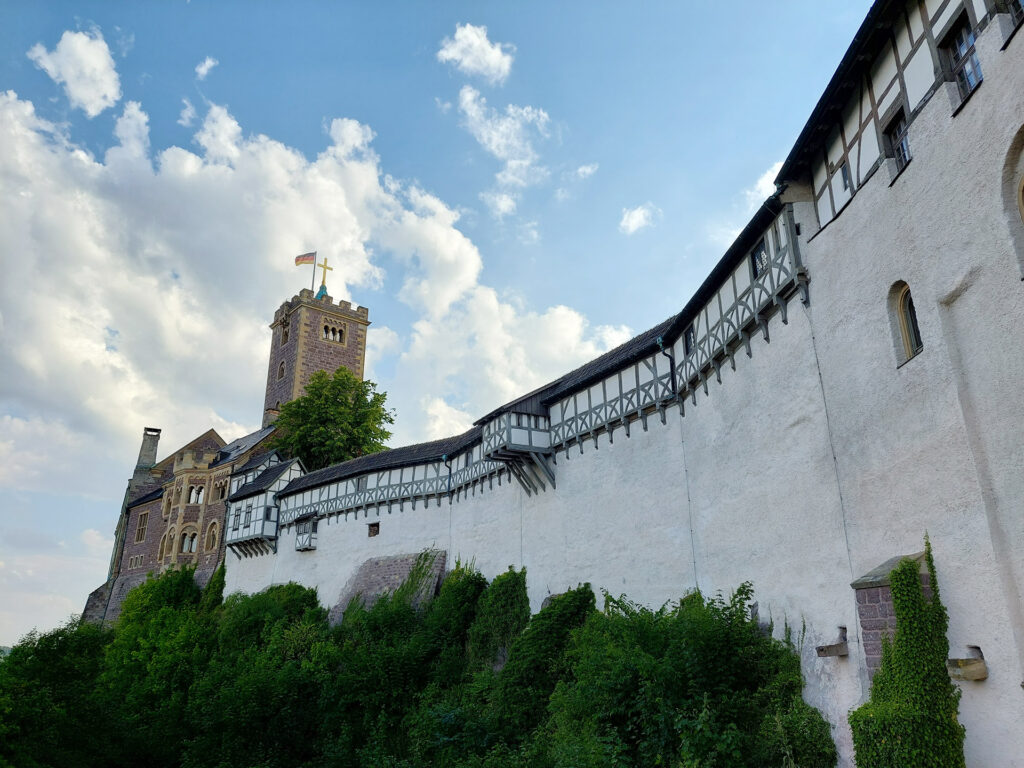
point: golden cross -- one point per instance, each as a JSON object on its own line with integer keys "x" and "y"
{"x": 326, "y": 269}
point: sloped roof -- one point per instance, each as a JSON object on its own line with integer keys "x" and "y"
{"x": 147, "y": 497}
{"x": 394, "y": 457}
{"x": 236, "y": 448}
{"x": 263, "y": 481}
{"x": 255, "y": 461}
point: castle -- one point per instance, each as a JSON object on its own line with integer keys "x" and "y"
{"x": 847, "y": 378}
{"x": 174, "y": 510}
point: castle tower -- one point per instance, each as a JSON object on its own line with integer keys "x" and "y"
{"x": 312, "y": 334}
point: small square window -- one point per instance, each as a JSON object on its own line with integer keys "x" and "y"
{"x": 373, "y": 529}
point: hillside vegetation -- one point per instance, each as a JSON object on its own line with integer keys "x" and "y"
{"x": 468, "y": 680}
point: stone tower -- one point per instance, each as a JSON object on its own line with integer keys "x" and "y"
{"x": 311, "y": 334}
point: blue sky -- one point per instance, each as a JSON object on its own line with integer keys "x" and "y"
{"x": 511, "y": 188}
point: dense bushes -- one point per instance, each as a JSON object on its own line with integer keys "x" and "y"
{"x": 911, "y": 717}
{"x": 466, "y": 680}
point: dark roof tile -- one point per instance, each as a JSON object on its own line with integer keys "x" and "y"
{"x": 263, "y": 481}
{"x": 394, "y": 457}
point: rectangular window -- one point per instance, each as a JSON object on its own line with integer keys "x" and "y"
{"x": 759, "y": 259}
{"x": 237, "y": 521}
{"x": 689, "y": 340}
{"x": 962, "y": 58}
{"x": 1017, "y": 11}
{"x": 373, "y": 529}
{"x": 305, "y": 535}
{"x": 140, "y": 531}
{"x": 361, "y": 483}
{"x": 248, "y": 516}
{"x": 898, "y": 141}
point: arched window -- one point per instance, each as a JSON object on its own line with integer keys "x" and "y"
{"x": 327, "y": 332}
{"x": 908, "y": 333}
{"x": 192, "y": 542}
{"x": 199, "y": 494}
{"x": 211, "y": 537}
{"x": 280, "y": 371}
{"x": 284, "y": 335}
{"x": 341, "y": 335}
{"x": 163, "y": 546}
{"x": 184, "y": 542}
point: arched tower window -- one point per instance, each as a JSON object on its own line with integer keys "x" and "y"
{"x": 906, "y": 328}
{"x": 280, "y": 371}
{"x": 284, "y": 335}
{"x": 199, "y": 494}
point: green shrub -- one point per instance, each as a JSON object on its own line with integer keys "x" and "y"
{"x": 910, "y": 720}
{"x": 502, "y": 612}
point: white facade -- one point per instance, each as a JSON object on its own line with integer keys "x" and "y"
{"x": 687, "y": 463}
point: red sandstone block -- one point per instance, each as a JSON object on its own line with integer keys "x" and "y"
{"x": 868, "y": 611}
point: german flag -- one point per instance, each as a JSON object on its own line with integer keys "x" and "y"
{"x": 306, "y": 258}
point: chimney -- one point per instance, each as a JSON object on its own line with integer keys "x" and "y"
{"x": 147, "y": 453}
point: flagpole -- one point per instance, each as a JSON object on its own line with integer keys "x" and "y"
{"x": 312, "y": 280}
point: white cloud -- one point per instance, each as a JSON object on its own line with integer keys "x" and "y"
{"x": 586, "y": 171}
{"x": 500, "y": 204}
{"x": 507, "y": 136}
{"x": 188, "y": 114}
{"x": 763, "y": 188}
{"x": 444, "y": 420}
{"x": 82, "y": 63}
{"x": 203, "y": 67}
{"x": 562, "y": 194}
{"x": 635, "y": 219}
{"x": 443, "y": 106}
{"x": 473, "y": 54}
{"x": 529, "y": 233}
{"x": 722, "y": 230}
{"x": 171, "y": 260}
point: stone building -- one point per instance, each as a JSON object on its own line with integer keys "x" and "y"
{"x": 846, "y": 379}
{"x": 173, "y": 510}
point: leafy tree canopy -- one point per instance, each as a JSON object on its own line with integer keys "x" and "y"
{"x": 339, "y": 418}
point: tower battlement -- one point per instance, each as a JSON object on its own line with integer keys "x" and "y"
{"x": 310, "y": 334}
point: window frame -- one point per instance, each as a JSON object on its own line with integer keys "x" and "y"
{"x": 140, "y": 527}
{"x": 958, "y": 54}
{"x": 910, "y": 328}
{"x": 761, "y": 247}
{"x": 897, "y": 139}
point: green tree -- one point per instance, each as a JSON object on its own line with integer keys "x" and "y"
{"x": 339, "y": 418}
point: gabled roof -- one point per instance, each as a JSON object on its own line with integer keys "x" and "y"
{"x": 255, "y": 461}
{"x": 236, "y": 448}
{"x": 394, "y": 457}
{"x": 151, "y": 496}
{"x": 263, "y": 481}
{"x": 210, "y": 435}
